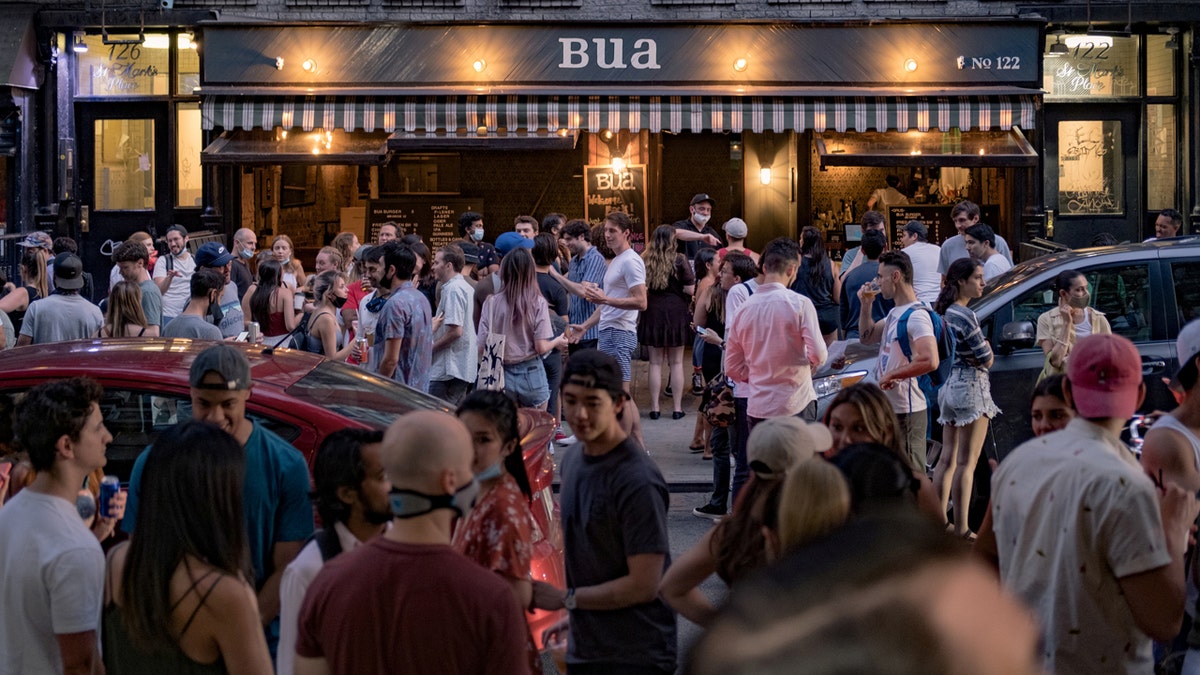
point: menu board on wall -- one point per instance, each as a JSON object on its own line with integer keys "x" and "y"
{"x": 607, "y": 190}
{"x": 937, "y": 218}
{"x": 434, "y": 218}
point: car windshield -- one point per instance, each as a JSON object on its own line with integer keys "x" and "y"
{"x": 359, "y": 395}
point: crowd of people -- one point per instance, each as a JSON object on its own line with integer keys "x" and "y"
{"x": 843, "y": 542}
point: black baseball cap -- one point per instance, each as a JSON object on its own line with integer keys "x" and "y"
{"x": 228, "y": 362}
{"x": 594, "y": 369}
{"x": 68, "y": 272}
{"x": 702, "y": 197}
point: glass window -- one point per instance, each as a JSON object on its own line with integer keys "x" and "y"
{"x": 1187, "y": 291}
{"x": 188, "y": 77}
{"x": 1090, "y": 66}
{"x": 1122, "y": 293}
{"x": 124, "y": 69}
{"x": 1091, "y": 168}
{"x": 1161, "y": 149}
{"x": 124, "y": 172}
{"x": 188, "y": 143}
{"x": 1160, "y": 66}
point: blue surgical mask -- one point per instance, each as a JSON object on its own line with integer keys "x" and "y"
{"x": 411, "y": 504}
{"x": 477, "y": 235}
{"x": 247, "y": 253}
{"x": 491, "y": 472}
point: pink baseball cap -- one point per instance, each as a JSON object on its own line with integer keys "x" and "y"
{"x": 1105, "y": 372}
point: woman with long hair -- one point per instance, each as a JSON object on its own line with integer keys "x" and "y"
{"x": 34, "y": 286}
{"x": 426, "y": 283}
{"x": 965, "y": 399}
{"x": 324, "y": 337}
{"x": 269, "y": 302}
{"x": 1073, "y": 318}
{"x": 815, "y": 501}
{"x": 521, "y": 314}
{"x": 664, "y": 326}
{"x": 816, "y": 281}
{"x": 737, "y": 546}
{"x": 861, "y": 413}
{"x": 707, "y": 267}
{"x": 177, "y": 597}
{"x": 285, "y": 254}
{"x": 499, "y": 531}
{"x": 346, "y": 243}
{"x": 125, "y": 317}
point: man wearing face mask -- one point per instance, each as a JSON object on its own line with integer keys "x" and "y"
{"x": 193, "y": 323}
{"x": 407, "y": 602}
{"x": 694, "y": 233}
{"x": 1059, "y": 328}
{"x": 226, "y": 312}
{"x": 486, "y": 261}
{"x": 244, "y": 244}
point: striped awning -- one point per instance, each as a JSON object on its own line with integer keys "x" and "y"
{"x": 633, "y": 113}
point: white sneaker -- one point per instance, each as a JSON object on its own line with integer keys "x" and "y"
{"x": 569, "y": 440}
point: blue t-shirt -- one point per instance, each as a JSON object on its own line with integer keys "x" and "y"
{"x": 406, "y": 317}
{"x": 275, "y": 497}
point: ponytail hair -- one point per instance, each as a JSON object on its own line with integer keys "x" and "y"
{"x": 960, "y": 270}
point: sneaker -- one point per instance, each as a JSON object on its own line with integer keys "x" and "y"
{"x": 569, "y": 440}
{"x": 697, "y": 384}
{"x": 559, "y": 434}
{"x": 709, "y": 511}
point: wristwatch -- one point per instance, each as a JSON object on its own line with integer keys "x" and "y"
{"x": 569, "y": 599}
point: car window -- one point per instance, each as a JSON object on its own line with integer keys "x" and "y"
{"x": 1121, "y": 292}
{"x": 360, "y": 396}
{"x": 1187, "y": 291}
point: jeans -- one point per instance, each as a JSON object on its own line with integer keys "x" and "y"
{"x": 739, "y": 433}
{"x": 914, "y": 428}
{"x": 452, "y": 391}
{"x": 720, "y": 450}
{"x": 553, "y": 362}
{"x": 698, "y": 352}
{"x": 527, "y": 381}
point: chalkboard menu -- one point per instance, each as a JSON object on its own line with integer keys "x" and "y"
{"x": 937, "y": 218}
{"x": 434, "y": 218}
{"x": 608, "y": 191}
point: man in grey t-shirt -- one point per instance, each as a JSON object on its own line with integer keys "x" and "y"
{"x": 65, "y": 314}
{"x": 206, "y": 287}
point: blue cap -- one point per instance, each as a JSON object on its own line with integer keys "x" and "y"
{"x": 511, "y": 240}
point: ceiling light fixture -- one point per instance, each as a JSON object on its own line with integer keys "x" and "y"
{"x": 309, "y": 65}
{"x": 479, "y": 65}
{"x": 911, "y": 65}
{"x": 1058, "y": 48}
{"x": 740, "y": 64}
{"x": 78, "y": 45}
{"x": 1173, "y": 43}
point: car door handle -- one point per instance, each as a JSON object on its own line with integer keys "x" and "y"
{"x": 1152, "y": 367}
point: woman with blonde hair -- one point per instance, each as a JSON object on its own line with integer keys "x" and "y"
{"x": 665, "y": 325}
{"x": 34, "y": 285}
{"x": 737, "y": 546}
{"x": 329, "y": 291}
{"x": 815, "y": 501}
{"x": 861, "y": 413}
{"x": 125, "y": 317}
{"x": 285, "y": 253}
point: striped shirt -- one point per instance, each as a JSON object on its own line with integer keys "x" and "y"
{"x": 973, "y": 350}
{"x": 588, "y": 267}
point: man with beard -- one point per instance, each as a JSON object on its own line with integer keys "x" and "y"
{"x": 404, "y": 333}
{"x": 351, "y": 495}
{"x": 278, "y": 512}
{"x": 173, "y": 274}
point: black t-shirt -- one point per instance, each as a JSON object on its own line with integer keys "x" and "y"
{"x": 689, "y": 248}
{"x": 615, "y": 506}
{"x": 556, "y": 297}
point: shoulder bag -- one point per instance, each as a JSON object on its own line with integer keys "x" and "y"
{"x": 491, "y": 362}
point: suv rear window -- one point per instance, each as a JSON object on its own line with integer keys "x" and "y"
{"x": 360, "y": 395}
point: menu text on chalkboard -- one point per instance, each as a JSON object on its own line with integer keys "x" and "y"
{"x": 434, "y": 218}
{"x": 609, "y": 190}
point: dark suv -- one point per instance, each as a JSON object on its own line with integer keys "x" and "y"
{"x": 1146, "y": 291}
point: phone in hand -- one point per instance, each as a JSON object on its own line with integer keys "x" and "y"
{"x": 701, "y": 330}
{"x": 242, "y": 336}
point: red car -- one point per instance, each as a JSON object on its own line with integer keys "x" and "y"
{"x": 300, "y": 396}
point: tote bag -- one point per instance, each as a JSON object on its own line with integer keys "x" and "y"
{"x": 491, "y": 362}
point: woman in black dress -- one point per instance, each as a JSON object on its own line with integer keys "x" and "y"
{"x": 817, "y": 282}
{"x": 664, "y": 325}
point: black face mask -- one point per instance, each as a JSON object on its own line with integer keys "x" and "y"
{"x": 338, "y": 301}
{"x": 411, "y": 504}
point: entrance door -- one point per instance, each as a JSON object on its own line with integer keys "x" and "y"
{"x": 1092, "y": 177}
{"x": 125, "y": 182}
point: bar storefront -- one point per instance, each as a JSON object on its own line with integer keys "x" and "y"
{"x": 314, "y": 129}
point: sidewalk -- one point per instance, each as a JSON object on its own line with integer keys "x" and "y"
{"x": 667, "y": 440}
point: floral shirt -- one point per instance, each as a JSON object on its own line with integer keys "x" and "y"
{"x": 498, "y": 534}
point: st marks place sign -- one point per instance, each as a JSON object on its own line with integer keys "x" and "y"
{"x": 331, "y": 58}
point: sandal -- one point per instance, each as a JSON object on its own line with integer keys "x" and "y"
{"x": 696, "y": 448}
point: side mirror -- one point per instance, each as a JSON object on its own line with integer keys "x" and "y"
{"x": 1016, "y": 335}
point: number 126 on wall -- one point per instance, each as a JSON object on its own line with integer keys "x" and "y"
{"x": 989, "y": 63}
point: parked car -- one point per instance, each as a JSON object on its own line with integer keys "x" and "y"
{"x": 300, "y": 396}
{"x": 1143, "y": 290}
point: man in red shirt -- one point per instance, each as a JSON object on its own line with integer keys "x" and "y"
{"x": 406, "y": 602}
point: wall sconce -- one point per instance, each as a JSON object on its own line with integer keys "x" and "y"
{"x": 618, "y": 164}
{"x": 278, "y": 63}
{"x": 607, "y": 134}
{"x": 1058, "y": 48}
{"x": 479, "y": 65}
{"x": 1173, "y": 43}
{"x": 740, "y": 64}
{"x": 764, "y": 175}
{"x": 77, "y": 44}
{"x": 309, "y": 65}
{"x": 910, "y": 65}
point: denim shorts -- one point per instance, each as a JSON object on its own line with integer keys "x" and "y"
{"x": 527, "y": 381}
{"x": 966, "y": 397}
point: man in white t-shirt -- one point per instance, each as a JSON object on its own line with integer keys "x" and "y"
{"x": 914, "y": 239}
{"x": 51, "y": 563}
{"x": 897, "y": 374}
{"x": 981, "y": 244}
{"x": 455, "y": 355}
{"x": 173, "y": 274}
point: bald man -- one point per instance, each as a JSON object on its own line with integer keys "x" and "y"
{"x": 407, "y": 601}
{"x": 244, "y": 244}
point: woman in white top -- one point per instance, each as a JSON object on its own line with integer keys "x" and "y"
{"x": 1059, "y": 328}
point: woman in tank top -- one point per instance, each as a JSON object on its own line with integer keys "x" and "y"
{"x": 324, "y": 338}
{"x": 177, "y": 599}
{"x": 269, "y": 302}
{"x": 33, "y": 286}
{"x": 124, "y": 317}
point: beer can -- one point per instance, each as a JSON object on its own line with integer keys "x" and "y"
{"x": 365, "y": 357}
{"x": 109, "y": 487}
{"x": 252, "y": 335}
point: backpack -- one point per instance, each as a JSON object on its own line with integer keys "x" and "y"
{"x": 947, "y": 343}
{"x": 327, "y": 542}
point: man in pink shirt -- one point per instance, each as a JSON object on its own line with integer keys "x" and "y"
{"x": 774, "y": 341}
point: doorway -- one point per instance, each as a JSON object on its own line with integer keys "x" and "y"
{"x": 1092, "y": 176}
